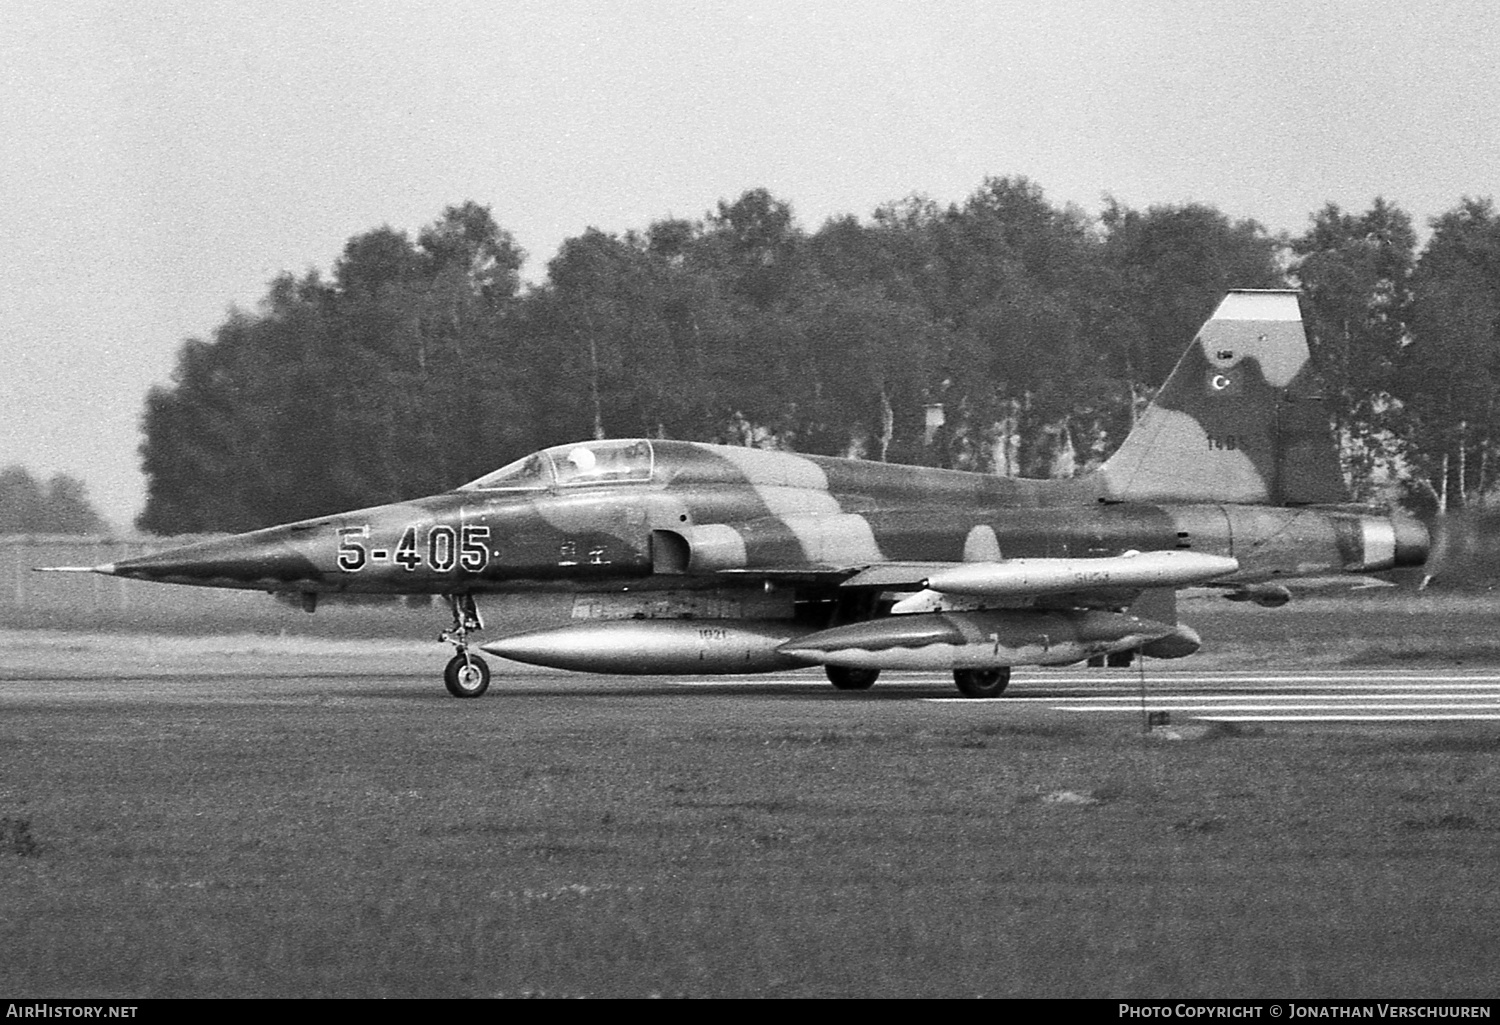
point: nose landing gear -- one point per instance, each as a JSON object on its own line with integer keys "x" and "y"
{"x": 467, "y": 675}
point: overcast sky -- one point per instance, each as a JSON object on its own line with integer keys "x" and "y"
{"x": 163, "y": 161}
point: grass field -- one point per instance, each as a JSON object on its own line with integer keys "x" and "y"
{"x": 293, "y": 815}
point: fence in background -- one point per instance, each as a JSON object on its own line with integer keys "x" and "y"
{"x": 76, "y": 596}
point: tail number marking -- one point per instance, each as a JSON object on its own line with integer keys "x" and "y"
{"x": 1224, "y": 443}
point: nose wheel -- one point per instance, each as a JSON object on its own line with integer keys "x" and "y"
{"x": 467, "y": 675}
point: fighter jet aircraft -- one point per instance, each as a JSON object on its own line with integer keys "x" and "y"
{"x": 694, "y": 558}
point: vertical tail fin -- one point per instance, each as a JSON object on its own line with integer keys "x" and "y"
{"x": 1240, "y": 419}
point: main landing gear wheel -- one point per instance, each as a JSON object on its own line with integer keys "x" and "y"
{"x": 467, "y": 676}
{"x": 982, "y": 683}
{"x": 850, "y": 678}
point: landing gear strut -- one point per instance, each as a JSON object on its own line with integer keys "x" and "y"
{"x": 467, "y": 676}
{"x": 982, "y": 683}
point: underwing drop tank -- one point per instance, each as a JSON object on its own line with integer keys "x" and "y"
{"x": 650, "y": 646}
{"x": 1030, "y": 577}
{"x": 991, "y": 639}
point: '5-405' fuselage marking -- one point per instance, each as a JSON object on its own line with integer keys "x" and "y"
{"x": 443, "y": 547}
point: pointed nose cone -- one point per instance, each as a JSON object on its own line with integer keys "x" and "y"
{"x": 267, "y": 559}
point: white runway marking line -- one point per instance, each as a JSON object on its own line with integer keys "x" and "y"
{"x": 1309, "y": 697}
{"x": 1347, "y": 718}
{"x": 1167, "y": 682}
{"x": 1244, "y": 675}
{"x": 1368, "y": 695}
{"x": 1353, "y": 694}
{"x": 1151, "y": 707}
{"x": 1124, "y": 686}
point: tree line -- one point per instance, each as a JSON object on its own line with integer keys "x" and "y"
{"x": 1001, "y": 334}
{"x": 59, "y": 506}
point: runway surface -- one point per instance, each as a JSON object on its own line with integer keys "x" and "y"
{"x": 1390, "y": 696}
{"x": 1272, "y": 696}
{"x": 1279, "y": 696}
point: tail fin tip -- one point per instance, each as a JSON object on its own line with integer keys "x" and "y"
{"x": 1240, "y": 419}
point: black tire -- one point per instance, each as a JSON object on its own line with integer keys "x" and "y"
{"x": 982, "y": 683}
{"x": 467, "y": 676}
{"x": 850, "y": 678}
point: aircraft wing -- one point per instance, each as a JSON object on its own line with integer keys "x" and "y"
{"x": 897, "y": 575}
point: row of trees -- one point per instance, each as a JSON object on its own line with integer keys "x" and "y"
{"x": 1039, "y": 330}
{"x": 60, "y": 506}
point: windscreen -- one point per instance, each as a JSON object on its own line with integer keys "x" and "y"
{"x": 590, "y": 462}
{"x": 533, "y": 472}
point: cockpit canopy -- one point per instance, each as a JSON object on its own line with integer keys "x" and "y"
{"x": 589, "y": 462}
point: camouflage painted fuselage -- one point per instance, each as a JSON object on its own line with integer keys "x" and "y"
{"x": 706, "y": 516}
